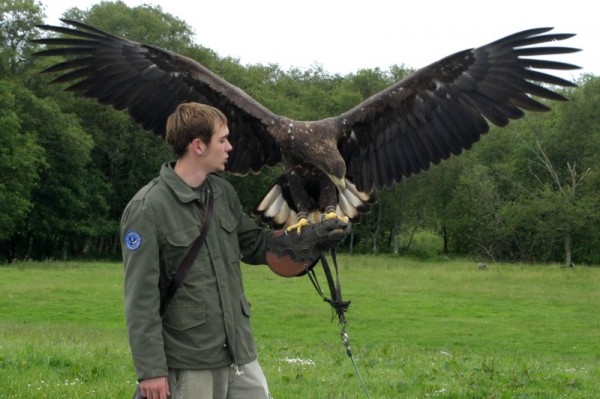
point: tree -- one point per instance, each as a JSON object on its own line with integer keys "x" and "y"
{"x": 20, "y": 160}
{"x": 59, "y": 208}
{"x": 17, "y": 17}
{"x": 565, "y": 215}
{"x": 144, "y": 23}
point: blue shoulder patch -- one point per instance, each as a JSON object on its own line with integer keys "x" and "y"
{"x": 132, "y": 240}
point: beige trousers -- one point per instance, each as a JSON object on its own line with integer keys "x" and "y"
{"x": 246, "y": 381}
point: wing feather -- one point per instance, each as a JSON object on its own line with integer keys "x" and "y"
{"x": 445, "y": 107}
{"x": 149, "y": 82}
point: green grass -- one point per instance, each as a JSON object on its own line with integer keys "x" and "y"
{"x": 418, "y": 329}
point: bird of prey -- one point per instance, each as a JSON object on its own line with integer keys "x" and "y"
{"x": 334, "y": 165}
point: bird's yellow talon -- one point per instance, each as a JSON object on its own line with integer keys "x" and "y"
{"x": 302, "y": 222}
{"x": 333, "y": 215}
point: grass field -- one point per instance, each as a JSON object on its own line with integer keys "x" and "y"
{"x": 418, "y": 329}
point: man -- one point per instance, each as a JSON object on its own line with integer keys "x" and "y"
{"x": 203, "y": 345}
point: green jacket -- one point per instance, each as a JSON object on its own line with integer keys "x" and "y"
{"x": 207, "y": 323}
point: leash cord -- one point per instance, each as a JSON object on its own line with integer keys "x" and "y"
{"x": 339, "y": 308}
{"x": 346, "y": 342}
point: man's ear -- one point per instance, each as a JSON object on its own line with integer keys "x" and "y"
{"x": 198, "y": 146}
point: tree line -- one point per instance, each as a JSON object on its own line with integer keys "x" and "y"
{"x": 528, "y": 192}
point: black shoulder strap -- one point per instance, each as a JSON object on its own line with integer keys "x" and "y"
{"x": 187, "y": 262}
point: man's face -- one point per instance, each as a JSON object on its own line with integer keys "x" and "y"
{"x": 217, "y": 151}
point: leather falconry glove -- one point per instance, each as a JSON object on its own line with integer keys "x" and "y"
{"x": 290, "y": 254}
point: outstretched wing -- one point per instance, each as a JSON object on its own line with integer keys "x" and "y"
{"x": 149, "y": 82}
{"x": 445, "y": 107}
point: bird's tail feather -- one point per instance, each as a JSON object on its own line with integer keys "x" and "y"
{"x": 277, "y": 208}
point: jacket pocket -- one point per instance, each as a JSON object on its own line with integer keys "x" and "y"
{"x": 177, "y": 244}
{"x": 183, "y": 237}
{"x": 229, "y": 238}
{"x": 228, "y": 222}
{"x": 182, "y": 318}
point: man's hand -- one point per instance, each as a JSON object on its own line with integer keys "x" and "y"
{"x": 155, "y": 388}
{"x": 291, "y": 254}
{"x": 330, "y": 232}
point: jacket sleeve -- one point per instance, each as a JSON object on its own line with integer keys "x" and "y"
{"x": 253, "y": 241}
{"x": 140, "y": 247}
{"x": 252, "y": 238}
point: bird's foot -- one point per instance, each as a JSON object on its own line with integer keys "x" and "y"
{"x": 302, "y": 222}
{"x": 333, "y": 215}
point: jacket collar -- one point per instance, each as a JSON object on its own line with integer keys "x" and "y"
{"x": 184, "y": 192}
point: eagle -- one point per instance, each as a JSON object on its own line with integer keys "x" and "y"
{"x": 332, "y": 167}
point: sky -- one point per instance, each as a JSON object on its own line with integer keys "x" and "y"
{"x": 343, "y": 36}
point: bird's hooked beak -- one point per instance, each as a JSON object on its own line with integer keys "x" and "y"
{"x": 339, "y": 183}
